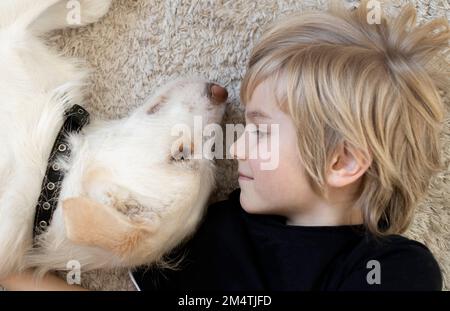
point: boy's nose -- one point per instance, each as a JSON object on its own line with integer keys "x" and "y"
{"x": 217, "y": 93}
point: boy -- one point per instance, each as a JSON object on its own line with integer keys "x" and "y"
{"x": 359, "y": 113}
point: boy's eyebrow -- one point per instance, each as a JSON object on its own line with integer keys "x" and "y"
{"x": 256, "y": 114}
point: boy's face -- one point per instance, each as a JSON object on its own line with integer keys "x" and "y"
{"x": 283, "y": 190}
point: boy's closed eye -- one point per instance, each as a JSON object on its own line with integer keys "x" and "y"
{"x": 260, "y": 130}
{"x": 257, "y": 122}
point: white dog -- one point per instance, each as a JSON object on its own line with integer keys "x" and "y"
{"x": 124, "y": 199}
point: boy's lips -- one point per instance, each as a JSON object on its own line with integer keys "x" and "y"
{"x": 244, "y": 177}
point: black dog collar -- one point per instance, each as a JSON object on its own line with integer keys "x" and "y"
{"x": 75, "y": 118}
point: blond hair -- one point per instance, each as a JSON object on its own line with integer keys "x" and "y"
{"x": 374, "y": 87}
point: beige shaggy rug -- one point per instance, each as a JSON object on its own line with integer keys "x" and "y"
{"x": 140, "y": 44}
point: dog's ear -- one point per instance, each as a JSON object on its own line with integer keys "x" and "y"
{"x": 91, "y": 223}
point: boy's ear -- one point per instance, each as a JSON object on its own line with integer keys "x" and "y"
{"x": 90, "y": 223}
{"x": 347, "y": 165}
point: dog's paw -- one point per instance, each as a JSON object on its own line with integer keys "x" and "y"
{"x": 88, "y": 222}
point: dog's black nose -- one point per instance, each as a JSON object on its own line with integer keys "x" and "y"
{"x": 217, "y": 93}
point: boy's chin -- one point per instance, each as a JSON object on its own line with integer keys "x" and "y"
{"x": 250, "y": 204}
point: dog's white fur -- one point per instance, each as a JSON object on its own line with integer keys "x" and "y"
{"x": 124, "y": 201}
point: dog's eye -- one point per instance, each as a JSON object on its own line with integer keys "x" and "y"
{"x": 157, "y": 105}
{"x": 182, "y": 153}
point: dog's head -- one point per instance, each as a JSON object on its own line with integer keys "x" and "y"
{"x": 138, "y": 198}
{"x": 192, "y": 109}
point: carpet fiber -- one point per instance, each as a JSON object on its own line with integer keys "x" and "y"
{"x": 140, "y": 44}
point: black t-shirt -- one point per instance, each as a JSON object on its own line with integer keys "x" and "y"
{"x": 235, "y": 250}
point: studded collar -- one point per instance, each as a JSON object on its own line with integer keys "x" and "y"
{"x": 76, "y": 118}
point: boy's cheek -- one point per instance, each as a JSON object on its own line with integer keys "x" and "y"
{"x": 267, "y": 184}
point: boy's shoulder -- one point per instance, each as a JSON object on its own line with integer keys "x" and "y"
{"x": 392, "y": 262}
{"x": 402, "y": 263}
